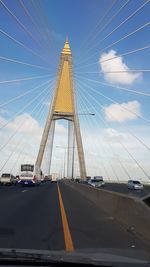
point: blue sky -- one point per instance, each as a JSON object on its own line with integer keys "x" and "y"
{"x": 42, "y": 28}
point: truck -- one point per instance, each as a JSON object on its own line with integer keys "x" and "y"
{"x": 7, "y": 179}
{"x": 30, "y": 174}
{"x": 54, "y": 177}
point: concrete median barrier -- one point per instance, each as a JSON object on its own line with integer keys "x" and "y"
{"x": 130, "y": 211}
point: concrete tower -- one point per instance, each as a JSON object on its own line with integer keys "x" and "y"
{"x": 63, "y": 106}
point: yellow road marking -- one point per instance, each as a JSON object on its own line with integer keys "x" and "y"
{"x": 66, "y": 230}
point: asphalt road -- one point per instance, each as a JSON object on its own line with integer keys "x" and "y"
{"x": 43, "y": 218}
{"x": 122, "y": 188}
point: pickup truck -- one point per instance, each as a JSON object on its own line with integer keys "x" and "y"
{"x": 7, "y": 178}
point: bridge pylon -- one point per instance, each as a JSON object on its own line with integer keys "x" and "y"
{"x": 63, "y": 106}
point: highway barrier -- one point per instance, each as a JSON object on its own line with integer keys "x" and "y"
{"x": 130, "y": 211}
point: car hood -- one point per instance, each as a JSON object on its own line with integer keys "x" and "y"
{"x": 100, "y": 257}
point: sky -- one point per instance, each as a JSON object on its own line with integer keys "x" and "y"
{"x": 116, "y": 140}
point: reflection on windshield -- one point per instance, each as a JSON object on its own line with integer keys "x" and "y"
{"x": 96, "y": 180}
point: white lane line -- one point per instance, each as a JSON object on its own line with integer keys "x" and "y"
{"x": 24, "y": 191}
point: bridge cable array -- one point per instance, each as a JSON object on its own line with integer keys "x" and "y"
{"x": 99, "y": 145}
{"x": 32, "y": 105}
{"x": 37, "y": 108}
{"x": 107, "y": 126}
{"x": 116, "y": 28}
{"x": 146, "y": 146}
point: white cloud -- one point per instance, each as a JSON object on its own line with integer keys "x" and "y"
{"x": 111, "y": 135}
{"x": 116, "y": 64}
{"x": 26, "y": 140}
{"x": 2, "y": 121}
{"x": 20, "y": 136}
{"x": 123, "y": 112}
{"x": 96, "y": 147}
{"x": 60, "y": 129}
{"x": 25, "y": 123}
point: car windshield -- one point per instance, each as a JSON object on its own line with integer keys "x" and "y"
{"x": 26, "y": 175}
{"x": 6, "y": 175}
{"x": 96, "y": 180}
{"x": 136, "y": 182}
{"x": 27, "y": 167}
{"x": 75, "y": 127}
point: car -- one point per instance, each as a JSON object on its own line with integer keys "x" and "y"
{"x": 8, "y": 179}
{"x": 45, "y": 178}
{"x": 42, "y": 179}
{"x": 77, "y": 179}
{"x": 88, "y": 178}
{"x": 96, "y": 181}
{"x": 135, "y": 185}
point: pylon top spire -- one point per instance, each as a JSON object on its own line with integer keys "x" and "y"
{"x": 64, "y": 101}
{"x": 66, "y": 49}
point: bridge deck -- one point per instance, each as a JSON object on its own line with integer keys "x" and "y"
{"x": 31, "y": 218}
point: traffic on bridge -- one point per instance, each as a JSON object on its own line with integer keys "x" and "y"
{"x": 74, "y": 133}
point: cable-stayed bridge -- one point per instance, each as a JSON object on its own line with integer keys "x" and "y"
{"x": 74, "y": 116}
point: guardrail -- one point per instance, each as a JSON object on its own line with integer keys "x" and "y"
{"x": 125, "y": 181}
{"x": 130, "y": 211}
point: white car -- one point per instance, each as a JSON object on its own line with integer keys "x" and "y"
{"x": 96, "y": 181}
{"x": 7, "y": 178}
{"x": 135, "y": 185}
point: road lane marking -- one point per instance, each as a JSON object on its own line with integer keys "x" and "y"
{"x": 24, "y": 191}
{"x": 66, "y": 230}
